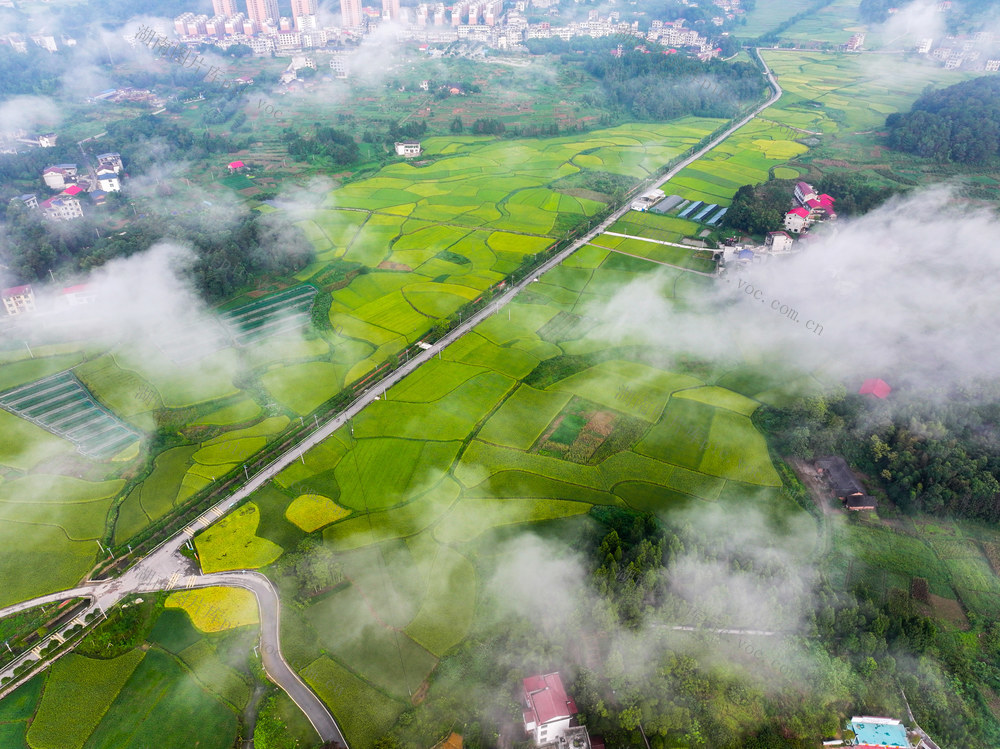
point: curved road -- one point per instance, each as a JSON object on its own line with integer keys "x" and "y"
{"x": 277, "y": 669}
{"x": 165, "y": 568}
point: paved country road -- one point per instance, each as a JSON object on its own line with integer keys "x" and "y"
{"x": 165, "y": 568}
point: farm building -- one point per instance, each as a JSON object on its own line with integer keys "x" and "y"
{"x": 648, "y": 199}
{"x": 878, "y": 732}
{"x": 778, "y": 241}
{"x": 548, "y": 712}
{"x": 408, "y": 148}
{"x": 18, "y": 299}
{"x": 59, "y": 176}
{"x": 845, "y": 487}
{"x": 797, "y": 219}
{"x": 234, "y": 165}
{"x": 74, "y": 296}
{"x": 804, "y": 192}
{"x": 29, "y": 199}
{"x": 838, "y": 474}
{"x": 110, "y": 160}
{"x": 857, "y": 503}
{"x": 107, "y": 180}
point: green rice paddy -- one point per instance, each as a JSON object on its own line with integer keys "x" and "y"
{"x": 499, "y": 432}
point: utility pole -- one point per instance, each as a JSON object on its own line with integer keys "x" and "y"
{"x": 245, "y": 472}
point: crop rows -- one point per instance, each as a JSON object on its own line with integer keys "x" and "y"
{"x": 63, "y": 406}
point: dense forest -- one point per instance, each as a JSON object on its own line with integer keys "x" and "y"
{"x": 876, "y": 11}
{"x": 660, "y": 86}
{"x": 335, "y": 146}
{"x": 227, "y": 257}
{"x": 927, "y": 456}
{"x": 758, "y": 209}
{"x": 960, "y": 123}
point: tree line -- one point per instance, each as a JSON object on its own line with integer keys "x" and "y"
{"x": 960, "y": 123}
{"x": 227, "y": 258}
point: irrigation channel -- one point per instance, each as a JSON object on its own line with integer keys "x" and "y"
{"x": 165, "y": 568}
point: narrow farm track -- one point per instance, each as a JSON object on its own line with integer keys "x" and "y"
{"x": 165, "y": 568}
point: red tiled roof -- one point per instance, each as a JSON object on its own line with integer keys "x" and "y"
{"x": 826, "y": 198}
{"x": 15, "y": 290}
{"x": 800, "y": 212}
{"x": 75, "y": 289}
{"x": 236, "y": 165}
{"x": 547, "y": 698}
{"x": 878, "y": 388}
{"x": 73, "y": 190}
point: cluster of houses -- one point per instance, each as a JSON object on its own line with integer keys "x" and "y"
{"x": 14, "y": 141}
{"x": 19, "y": 42}
{"x": 19, "y": 300}
{"x": 71, "y": 183}
{"x": 978, "y": 52}
{"x": 262, "y": 29}
{"x": 811, "y": 208}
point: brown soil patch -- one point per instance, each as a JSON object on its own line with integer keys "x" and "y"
{"x": 548, "y": 433}
{"x": 421, "y": 693}
{"x": 833, "y": 162}
{"x": 602, "y": 422}
{"x": 951, "y": 610}
{"x": 992, "y": 552}
{"x": 993, "y": 700}
{"x": 452, "y": 742}
{"x": 387, "y": 265}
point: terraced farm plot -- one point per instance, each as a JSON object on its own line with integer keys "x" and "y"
{"x": 163, "y": 699}
{"x": 216, "y": 609}
{"x": 62, "y": 405}
{"x": 77, "y": 695}
{"x": 269, "y": 316}
{"x": 419, "y": 481}
{"x": 838, "y": 93}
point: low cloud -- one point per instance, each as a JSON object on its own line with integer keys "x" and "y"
{"x": 907, "y": 290}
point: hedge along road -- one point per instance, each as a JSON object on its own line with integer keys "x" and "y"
{"x": 164, "y": 565}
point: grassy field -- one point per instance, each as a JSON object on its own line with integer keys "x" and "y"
{"x": 765, "y": 16}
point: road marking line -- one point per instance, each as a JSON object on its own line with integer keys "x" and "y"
{"x": 173, "y": 580}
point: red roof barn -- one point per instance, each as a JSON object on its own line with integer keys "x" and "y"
{"x": 547, "y": 707}
{"x": 878, "y": 388}
{"x": 234, "y": 165}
